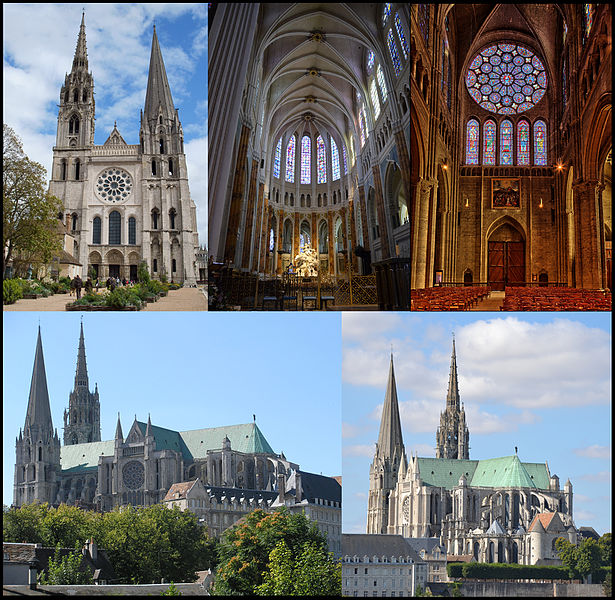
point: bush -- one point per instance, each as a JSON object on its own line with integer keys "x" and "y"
{"x": 91, "y": 299}
{"x": 142, "y": 272}
{"x": 509, "y": 571}
{"x": 65, "y": 281}
{"x": 11, "y": 291}
{"x": 123, "y": 297}
{"x": 600, "y": 576}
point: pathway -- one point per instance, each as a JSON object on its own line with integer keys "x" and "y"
{"x": 493, "y": 302}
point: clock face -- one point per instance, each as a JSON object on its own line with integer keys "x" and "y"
{"x": 133, "y": 474}
{"x": 114, "y": 185}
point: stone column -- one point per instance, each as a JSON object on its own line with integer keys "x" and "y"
{"x": 419, "y": 251}
{"x": 332, "y": 260}
{"x": 363, "y": 202}
{"x": 247, "y": 230}
{"x": 230, "y": 45}
{"x": 295, "y": 237}
{"x": 404, "y": 159}
{"x": 382, "y": 218}
{"x": 278, "y": 258}
{"x": 345, "y": 234}
{"x": 263, "y": 218}
{"x": 588, "y": 255}
{"x": 352, "y": 238}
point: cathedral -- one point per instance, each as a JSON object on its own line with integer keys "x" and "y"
{"x": 234, "y": 467}
{"x": 125, "y": 204}
{"x": 511, "y": 151}
{"x": 309, "y": 129}
{"x": 496, "y": 510}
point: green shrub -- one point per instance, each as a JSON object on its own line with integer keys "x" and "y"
{"x": 122, "y": 297}
{"x": 11, "y": 291}
{"x": 511, "y": 571}
{"x": 453, "y": 569}
{"x": 142, "y": 272}
{"x": 66, "y": 281}
{"x": 91, "y": 299}
{"x": 601, "y": 574}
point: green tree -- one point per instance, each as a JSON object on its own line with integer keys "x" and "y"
{"x": 567, "y": 553}
{"x": 606, "y": 586}
{"x": 244, "y": 550}
{"x": 23, "y": 525}
{"x": 606, "y": 550}
{"x": 588, "y": 557}
{"x": 66, "y": 526}
{"x": 29, "y": 212}
{"x": 67, "y": 570}
{"x": 314, "y": 573}
{"x": 143, "y": 272}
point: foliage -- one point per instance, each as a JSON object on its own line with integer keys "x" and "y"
{"x": 66, "y": 570}
{"x": 245, "y": 548}
{"x": 11, "y": 291}
{"x": 92, "y": 299}
{"x": 29, "y": 212}
{"x": 65, "y": 281}
{"x": 143, "y": 272}
{"x": 606, "y": 586}
{"x": 23, "y": 525}
{"x": 122, "y": 297}
{"x": 581, "y": 560}
{"x": 66, "y": 526}
{"x": 314, "y": 572}
{"x": 455, "y": 588}
{"x": 606, "y": 550}
{"x": 171, "y": 591}
{"x": 601, "y": 575}
{"x": 504, "y": 571}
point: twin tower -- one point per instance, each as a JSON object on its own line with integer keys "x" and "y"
{"x": 452, "y": 441}
{"x": 37, "y": 466}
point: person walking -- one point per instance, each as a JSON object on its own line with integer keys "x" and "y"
{"x": 78, "y": 286}
{"x": 88, "y": 285}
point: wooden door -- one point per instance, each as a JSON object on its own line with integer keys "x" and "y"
{"x": 497, "y": 260}
{"x": 515, "y": 263}
{"x": 506, "y": 263}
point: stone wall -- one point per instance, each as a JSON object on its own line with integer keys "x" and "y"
{"x": 496, "y": 589}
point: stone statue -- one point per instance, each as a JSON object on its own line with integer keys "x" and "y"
{"x": 306, "y": 262}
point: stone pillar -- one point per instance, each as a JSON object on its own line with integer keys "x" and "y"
{"x": 588, "y": 252}
{"x": 278, "y": 258}
{"x": 363, "y": 202}
{"x": 265, "y": 225}
{"x": 345, "y": 234}
{"x": 404, "y": 160}
{"x": 230, "y": 45}
{"x": 295, "y": 237}
{"x": 234, "y": 219}
{"x": 249, "y": 222}
{"x": 419, "y": 251}
{"x": 352, "y": 239}
{"x": 332, "y": 260}
{"x": 382, "y": 217}
{"x": 314, "y": 232}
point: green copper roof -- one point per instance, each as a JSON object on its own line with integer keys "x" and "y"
{"x": 244, "y": 438}
{"x": 507, "y": 471}
{"x": 167, "y": 439}
{"x": 84, "y": 457}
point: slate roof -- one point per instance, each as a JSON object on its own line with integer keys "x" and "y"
{"x": 507, "y": 471}
{"x": 370, "y": 544}
{"x": 84, "y": 457}
{"x": 426, "y": 543}
{"x": 319, "y": 486}
{"x": 219, "y": 492}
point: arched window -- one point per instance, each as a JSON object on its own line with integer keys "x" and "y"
{"x": 77, "y": 169}
{"x": 374, "y": 96}
{"x": 393, "y": 52}
{"x": 277, "y": 159}
{"x": 370, "y": 60}
{"x": 96, "y": 233}
{"x": 322, "y": 161}
{"x": 115, "y": 228}
{"x": 170, "y": 166}
{"x": 472, "y": 142}
{"x": 132, "y": 230}
{"x": 290, "y": 160}
{"x": 489, "y": 133}
{"x": 540, "y": 143}
{"x": 63, "y": 164}
{"x": 172, "y": 214}
{"x": 335, "y": 161}
{"x": 155, "y": 266}
{"x": 161, "y": 146}
{"x": 73, "y": 125}
{"x": 400, "y": 34}
{"x": 76, "y": 96}
{"x": 588, "y": 15}
{"x": 423, "y": 14}
{"x": 386, "y": 12}
{"x": 381, "y": 83}
{"x": 74, "y": 222}
{"x": 155, "y": 219}
{"x": 173, "y": 266}
{"x": 506, "y": 142}
{"x": 323, "y": 238}
{"x": 523, "y": 143}
{"x": 306, "y": 159}
{"x": 153, "y": 167}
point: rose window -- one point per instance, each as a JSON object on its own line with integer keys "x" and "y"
{"x": 114, "y": 185}
{"x": 133, "y": 474}
{"x": 506, "y": 79}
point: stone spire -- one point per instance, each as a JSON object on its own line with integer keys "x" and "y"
{"x": 452, "y": 397}
{"x": 81, "y": 372}
{"x": 80, "y": 60}
{"x": 158, "y": 97}
{"x": 38, "y": 416}
{"x": 118, "y": 429}
{"x": 390, "y": 438}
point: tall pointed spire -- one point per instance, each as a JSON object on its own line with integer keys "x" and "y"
{"x": 81, "y": 52}
{"x": 158, "y": 91}
{"x": 118, "y": 429}
{"x": 38, "y": 416}
{"x": 390, "y": 436}
{"x": 81, "y": 372}
{"x": 452, "y": 397}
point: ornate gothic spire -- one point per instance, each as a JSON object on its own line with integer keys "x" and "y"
{"x": 390, "y": 437}
{"x": 38, "y": 416}
{"x": 81, "y": 372}
{"x": 158, "y": 90}
{"x": 81, "y": 52}
{"x": 452, "y": 397}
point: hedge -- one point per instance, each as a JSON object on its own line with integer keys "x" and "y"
{"x": 505, "y": 571}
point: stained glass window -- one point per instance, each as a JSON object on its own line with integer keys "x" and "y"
{"x": 400, "y": 33}
{"x": 290, "y": 160}
{"x": 489, "y": 132}
{"x": 370, "y": 60}
{"x": 423, "y": 13}
{"x": 506, "y": 79}
{"x": 386, "y": 12}
{"x": 306, "y": 159}
{"x": 335, "y": 161}
{"x": 374, "y": 96}
{"x": 540, "y": 143}
{"x": 345, "y": 161}
{"x": 523, "y": 143}
{"x": 381, "y": 83}
{"x": 277, "y": 159}
{"x": 362, "y": 128}
{"x": 393, "y": 52}
{"x": 322, "y": 160}
{"x": 472, "y": 141}
{"x": 506, "y": 142}
{"x": 588, "y": 12}
{"x": 565, "y": 33}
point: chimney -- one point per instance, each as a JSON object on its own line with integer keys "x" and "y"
{"x": 281, "y": 487}
{"x": 298, "y": 487}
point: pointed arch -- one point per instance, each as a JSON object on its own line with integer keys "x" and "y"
{"x": 489, "y": 142}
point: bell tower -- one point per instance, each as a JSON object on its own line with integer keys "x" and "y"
{"x": 82, "y": 418}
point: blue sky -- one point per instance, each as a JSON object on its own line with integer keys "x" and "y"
{"x": 538, "y": 381}
{"x": 189, "y": 371}
{"x": 39, "y": 45}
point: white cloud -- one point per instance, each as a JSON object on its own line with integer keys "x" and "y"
{"x": 350, "y": 431}
{"x": 600, "y": 477}
{"x": 584, "y": 515}
{"x": 359, "y": 450}
{"x": 594, "y": 451}
{"x": 361, "y": 325}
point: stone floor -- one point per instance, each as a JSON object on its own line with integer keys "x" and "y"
{"x": 182, "y": 299}
{"x": 494, "y": 301}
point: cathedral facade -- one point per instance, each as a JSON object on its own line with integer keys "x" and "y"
{"x": 497, "y": 510}
{"x": 125, "y": 204}
{"x": 511, "y": 143}
{"x": 236, "y": 469}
